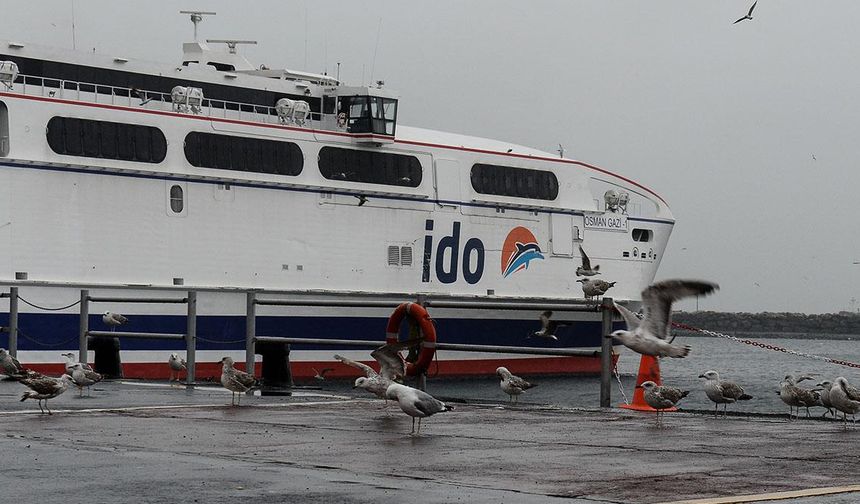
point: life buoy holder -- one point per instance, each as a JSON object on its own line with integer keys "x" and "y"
{"x": 419, "y": 315}
{"x": 341, "y": 119}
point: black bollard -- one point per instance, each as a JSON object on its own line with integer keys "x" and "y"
{"x": 107, "y": 360}
{"x": 277, "y": 377}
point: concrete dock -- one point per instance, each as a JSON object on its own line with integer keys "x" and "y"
{"x": 142, "y": 442}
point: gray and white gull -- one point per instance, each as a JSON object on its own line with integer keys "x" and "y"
{"x": 114, "y": 319}
{"x": 392, "y": 367}
{"x": 651, "y": 335}
{"x": 722, "y": 391}
{"x": 177, "y": 365}
{"x": 661, "y": 397}
{"x": 824, "y": 394}
{"x": 236, "y": 381}
{"x": 586, "y": 269}
{"x": 845, "y": 398}
{"x": 797, "y": 397}
{"x": 511, "y": 384}
{"x": 83, "y": 377}
{"x": 415, "y": 403}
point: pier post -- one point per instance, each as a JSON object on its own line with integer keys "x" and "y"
{"x": 250, "y": 331}
{"x": 84, "y": 326}
{"x": 421, "y": 379}
{"x": 191, "y": 340}
{"x": 607, "y": 307}
{"x": 13, "y": 321}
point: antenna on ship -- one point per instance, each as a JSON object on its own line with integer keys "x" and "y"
{"x": 231, "y": 44}
{"x": 196, "y": 17}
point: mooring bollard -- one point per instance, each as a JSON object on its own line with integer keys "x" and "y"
{"x": 84, "y": 326}
{"x": 606, "y": 352}
{"x": 250, "y": 331}
{"x": 13, "y": 321}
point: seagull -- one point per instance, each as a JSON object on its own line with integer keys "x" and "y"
{"x": 391, "y": 367}
{"x": 721, "y": 391}
{"x": 415, "y": 403}
{"x": 320, "y": 375}
{"x": 9, "y": 365}
{"x": 650, "y": 336}
{"x": 797, "y": 397}
{"x": 512, "y": 385}
{"x": 845, "y": 398}
{"x": 561, "y": 151}
{"x": 586, "y": 269}
{"x": 510, "y": 150}
{"x": 594, "y": 287}
{"x": 813, "y": 158}
{"x": 547, "y": 327}
{"x": 176, "y": 364}
{"x": 83, "y": 377}
{"x": 362, "y": 199}
{"x": 43, "y": 388}
{"x": 824, "y": 394}
{"x": 661, "y": 397}
{"x": 71, "y": 361}
{"x": 749, "y": 14}
{"x": 235, "y": 381}
{"x": 114, "y": 320}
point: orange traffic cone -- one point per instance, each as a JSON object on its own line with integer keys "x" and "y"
{"x": 649, "y": 369}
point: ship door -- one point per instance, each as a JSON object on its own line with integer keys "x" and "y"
{"x": 561, "y": 234}
{"x": 4, "y": 130}
{"x": 447, "y": 180}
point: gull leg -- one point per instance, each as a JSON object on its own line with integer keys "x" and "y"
{"x": 47, "y": 408}
{"x": 716, "y": 405}
{"x": 40, "y": 406}
{"x": 239, "y": 399}
{"x": 418, "y": 432}
{"x": 725, "y": 405}
{"x": 807, "y": 412}
{"x": 413, "y": 426}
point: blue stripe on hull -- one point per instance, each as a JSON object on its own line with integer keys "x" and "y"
{"x": 60, "y": 331}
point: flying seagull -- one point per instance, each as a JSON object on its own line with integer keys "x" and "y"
{"x": 415, "y": 403}
{"x": 114, "y": 320}
{"x": 661, "y": 397}
{"x": 586, "y": 269}
{"x": 593, "y": 287}
{"x": 391, "y": 367}
{"x": 44, "y": 387}
{"x": 320, "y": 375}
{"x": 845, "y": 398}
{"x": 722, "y": 391}
{"x": 176, "y": 365}
{"x": 650, "y": 336}
{"x": 512, "y": 385}
{"x": 235, "y": 381}
{"x": 362, "y": 199}
{"x": 547, "y": 327}
{"x": 749, "y": 14}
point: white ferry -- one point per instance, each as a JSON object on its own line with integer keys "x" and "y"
{"x": 231, "y": 176}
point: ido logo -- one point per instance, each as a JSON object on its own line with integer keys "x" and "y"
{"x": 447, "y": 268}
{"x": 520, "y": 248}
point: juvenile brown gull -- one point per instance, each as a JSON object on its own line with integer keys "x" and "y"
{"x": 797, "y": 397}
{"x": 845, "y": 398}
{"x": 722, "y": 391}
{"x": 237, "y": 382}
{"x": 511, "y": 384}
{"x": 824, "y": 395}
{"x": 548, "y": 327}
{"x": 415, "y": 403}
{"x": 661, "y": 397}
{"x": 9, "y": 365}
{"x": 83, "y": 377}
{"x": 650, "y": 335}
{"x": 43, "y": 388}
{"x": 594, "y": 287}
{"x": 586, "y": 269}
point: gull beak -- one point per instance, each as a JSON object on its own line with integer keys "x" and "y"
{"x": 354, "y": 387}
{"x": 701, "y": 376}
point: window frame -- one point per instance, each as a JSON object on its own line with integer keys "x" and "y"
{"x": 514, "y": 182}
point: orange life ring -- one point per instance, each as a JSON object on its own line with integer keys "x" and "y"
{"x": 428, "y": 333}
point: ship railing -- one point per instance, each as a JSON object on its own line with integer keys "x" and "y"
{"x": 151, "y": 100}
{"x": 602, "y": 312}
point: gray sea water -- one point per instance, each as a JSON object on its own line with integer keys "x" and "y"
{"x": 759, "y": 371}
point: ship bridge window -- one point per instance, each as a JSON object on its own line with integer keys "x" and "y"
{"x": 515, "y": 182}
{"x": 228, "y": 152}
{"x": 370, "y": 167}
{"x": 4, "y": 130}
{"x": 642, "y": 235}
{"x": 106, "y": 140}
{"x": 369, "y": 114}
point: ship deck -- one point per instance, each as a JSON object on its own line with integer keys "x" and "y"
{"x": 135, "y": 440}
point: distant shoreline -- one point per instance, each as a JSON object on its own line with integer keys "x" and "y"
{"x": 772, "y": 335}
{"x": 825, "y": 326}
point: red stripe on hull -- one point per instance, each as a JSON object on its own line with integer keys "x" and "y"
{"x": 303, "y": 370}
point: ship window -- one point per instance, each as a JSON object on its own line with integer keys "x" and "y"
{"x": 177, "y": 202}
{"x": 227, "y": 152}
{"x": 515, "y": 182}
{"x": 642, "y": 235}
{"x": 369, "y": 114}
{"x": 106, "y": 140}
{"x": 370, "y": 167}
{"x": 4, "y": 130}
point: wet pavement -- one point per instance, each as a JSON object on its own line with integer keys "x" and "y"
{"x": 146, "y": 442}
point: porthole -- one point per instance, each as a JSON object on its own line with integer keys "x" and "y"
{"x": 177, "y": 199}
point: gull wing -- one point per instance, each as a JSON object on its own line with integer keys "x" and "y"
{"x": 367, "y": 370}
{"x": 42, "y": 384}
{"x": 752, "y": 8}
{"x": 658, "y": 299}
{"x": 544, "y": 319}
{"x": 428, "y": 404}
{"x": 391, "y": 363}
{"x": 586, "y": 262}
{"x": 731, "y": 390}
{"x": 518, "y": 382}
{"x": 673, "y": 394}
{"x": 629, "y": 317}
{"x": 244, "y": 378}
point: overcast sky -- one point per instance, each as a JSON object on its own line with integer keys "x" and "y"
{"x": 722, "y": 120}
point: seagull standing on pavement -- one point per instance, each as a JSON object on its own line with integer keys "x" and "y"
{"x": 722, "y": 391}
{"x": 9, "y": 365}
{"x": 44, "y": 387}
{"x": 415, "y": 403}
{"x": 661, "y": 397}
{"x": 650, "y": 336}
{"x": 824, "y": 395}
{"x": 845, "y": 398}
{"x": 237, "y": 382}
{"x": 797, "y": 397}
{"x": 83, "y": 377}
{"x": 511, "y": 384}
{"x": 176, "y": 365}
{"x": 749, "y": 14}
{"x": 114, "y": 319}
